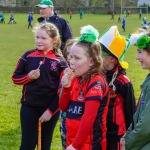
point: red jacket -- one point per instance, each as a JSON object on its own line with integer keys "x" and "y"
{"x": 86, "y": 113}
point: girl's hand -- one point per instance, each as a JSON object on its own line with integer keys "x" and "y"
{"x": 34, "y": 74}
{"x": 67, "y": 78}
{"x": 122, "y": 142}
{"x": 70, "y": 147}
{"x": 45, "y": 117}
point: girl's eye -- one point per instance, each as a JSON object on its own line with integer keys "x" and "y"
{"x": 43, "y": 38}
{"x": 67, "y": 53}
{"x": 76, "y": 57}
{"x": 139, "y": 51}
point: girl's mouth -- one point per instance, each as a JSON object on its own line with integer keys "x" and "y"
{"x": 72, "y": 72}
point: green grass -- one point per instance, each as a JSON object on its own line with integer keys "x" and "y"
{"x": 15, "y": 39}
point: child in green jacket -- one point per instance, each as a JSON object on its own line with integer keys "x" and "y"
{"x": 137, "y": 136}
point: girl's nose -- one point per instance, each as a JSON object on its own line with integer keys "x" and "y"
{"x": 38, "y": 40}
{"x": 137, "y": 56}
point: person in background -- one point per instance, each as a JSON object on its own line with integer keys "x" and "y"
{"x": 119, "y": 19}
{"x": 47, "y": 15}
{"x": 122, "y": 101}
{"x": 70, "y": 13}
{"x": 66, "y": 54}
{"x": 123, "y": 24}
{"x": 2, "y": 18}
{"x": 30, "y": 19}
{"x": 81, "y": 14}
{"x": 128, "y": 13}
{"x": 39, "y": 71}
{"x": 112, "y": 16}
{"x": 145, "y": 24}
{"x": 85, "y": 94}
{"x": 137, "y": 136}
{"x": 140, "y": 14}
{"x": 12, "y": 18}
{"x": 125, "y": 13}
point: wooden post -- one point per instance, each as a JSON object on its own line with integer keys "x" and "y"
{"x": 39, "y": 136}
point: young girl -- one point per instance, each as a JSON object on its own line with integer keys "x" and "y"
{"x": 39, "y": 72}
{"x": 66, "y": 54}
{"x": 122, "y": 101}
{"x": 85, "y": 96}
{"x": 137, "y": 136}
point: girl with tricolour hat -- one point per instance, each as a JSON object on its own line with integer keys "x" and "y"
{"x": 122, "y": 101}
{"x": 137, "y": 136}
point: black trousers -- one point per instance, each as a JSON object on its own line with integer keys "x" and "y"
{"x": 29, "y": 126}
{"x": 123, "y": 27}
{"x": 29, "y": 25}
{"x": 113, "y": 146}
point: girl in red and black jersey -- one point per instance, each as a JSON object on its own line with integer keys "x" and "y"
{"x": 39, "y": 71}
{"x": 122, "y": 102}
{"x": 85, "y": 94}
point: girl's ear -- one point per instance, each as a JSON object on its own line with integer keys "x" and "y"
{"x": 112, "y": 59}
{"x": 55, "y": 39}
{"x": 91, "y": 62}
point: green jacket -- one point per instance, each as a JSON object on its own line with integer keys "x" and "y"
{"x": 137, "y": 136}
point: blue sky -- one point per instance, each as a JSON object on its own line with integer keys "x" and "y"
{"x": 143, "y": 1}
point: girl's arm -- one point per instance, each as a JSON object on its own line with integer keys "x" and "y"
{"x": 65, "y": 98}
{"x": 20, "y": 77}
{"x": 127, "y": 94}
{"x": 139, "y": 135}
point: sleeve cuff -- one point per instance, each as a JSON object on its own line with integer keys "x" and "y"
{"x": 75, "y": 145}
{"x": 29, "y": 78}
{"x": 66, "y": 90}
{"x": 51, "y": 112}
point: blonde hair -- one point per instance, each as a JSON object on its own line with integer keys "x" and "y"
{"x": 52, "y": 31}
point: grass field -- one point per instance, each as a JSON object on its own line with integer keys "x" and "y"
{"x": 15, "y": 39}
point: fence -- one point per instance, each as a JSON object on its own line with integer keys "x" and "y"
{"x": 63, "y": 10}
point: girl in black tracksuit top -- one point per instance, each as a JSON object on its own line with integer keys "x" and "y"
{"x": 39, "y": 73}
{"x": 121, "y": 107}
{"x": 122, "y": 101}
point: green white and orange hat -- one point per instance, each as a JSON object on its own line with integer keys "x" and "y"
{"x": 116, "y": 44}
{"x": 45, "y": 4}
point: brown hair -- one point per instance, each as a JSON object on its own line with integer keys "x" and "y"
{"x": 69, "y": 42}
{"x": 52, "y": 31}
{"x": 94, "y": 52}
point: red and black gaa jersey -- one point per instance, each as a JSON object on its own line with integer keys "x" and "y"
{"x": 122, "y": 105}
{"x": 42, "y": 92}
{"x": 86, "y": 113}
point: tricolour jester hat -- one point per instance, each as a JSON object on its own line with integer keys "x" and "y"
{"x": 116, "y": 44}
